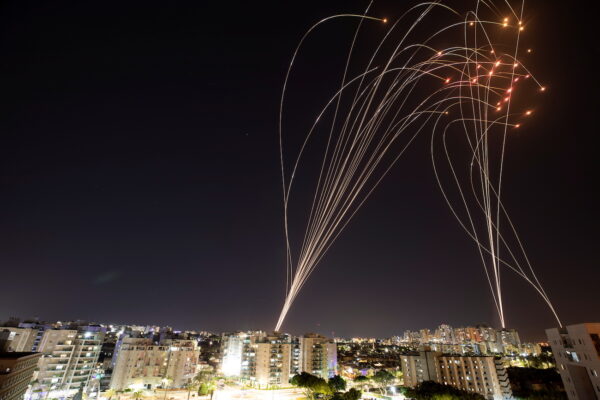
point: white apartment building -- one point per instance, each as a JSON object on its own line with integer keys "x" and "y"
{"x": 236, "y": 355}
{"x": 576, "y": 349}
{"x": 260, "y": 359}
{"x": 68, "y": 358}
{"x": 318, "y": 355}
{"x": 272, "y": 359}
{"x": 143, "y": 364}
{"x": 478, "y": 374}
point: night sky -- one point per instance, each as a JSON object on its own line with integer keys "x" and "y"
{"x": 139, "y": 176}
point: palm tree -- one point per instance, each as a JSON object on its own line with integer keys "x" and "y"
{"x": 205, "y": 380}
{"x": 191, "y": 386}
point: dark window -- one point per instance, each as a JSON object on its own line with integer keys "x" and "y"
{"x": 596, "y": 341}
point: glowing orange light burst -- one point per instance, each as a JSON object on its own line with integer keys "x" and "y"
{"x": 543, "y": 88}
{"x": 528, "y": 112}
{"x": 447, "y": 80}
{"x": 384, "y": 20}
{"x": 517, "y": 125}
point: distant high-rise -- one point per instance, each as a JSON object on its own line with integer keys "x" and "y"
{"x": 576, "y": 349}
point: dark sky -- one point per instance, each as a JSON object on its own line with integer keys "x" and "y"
{"x": 139, "y": 176}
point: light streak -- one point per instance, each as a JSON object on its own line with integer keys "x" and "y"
{"x": 377, "y": 113}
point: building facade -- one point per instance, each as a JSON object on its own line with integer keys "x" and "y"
{"x": 19, "y": 339}
{"x": 69, "y": 357}
{"x": 478, "y": 374}
{"x": 143, "y": 364}
{"x": 259, "y": 358}
{"x": 576, "y": 349}
{"x": 16, "y": 372}
{"x": 318, "y": 355}
{"x": 272, "y": 359}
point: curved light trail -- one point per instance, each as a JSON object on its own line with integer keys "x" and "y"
{"x": 459, "y": 94}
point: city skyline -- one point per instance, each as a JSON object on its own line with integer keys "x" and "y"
{"x": 140, "y": 175}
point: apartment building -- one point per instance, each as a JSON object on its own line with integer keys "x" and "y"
{"x": 272, "y": 359}
{"x": 478, "y": 374}
{"x": 576, "y": 349}
{"x": 69, "y": 357}
{"x": 318, "y": 355}
{"x": 143, "y": 364}
{"x": 19, "y": 339}
{"x": 16, "y": 372}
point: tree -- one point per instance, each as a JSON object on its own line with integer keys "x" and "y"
{"x": 383, "y": 378}
{"x": 205, "y": 381}
{"x": 430, "y": 390}
{"x": 361, "y": 379}
{"x": 190, "y": 386}
{"x": 311, "y": 384}
{"x": 351, "y": 394}
{"x": 337, "y": 384}
{"x": 533, "y": 383}
{"x": 204, "y": 376}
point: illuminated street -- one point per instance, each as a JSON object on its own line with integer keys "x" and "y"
{"x": 226, "y": 393}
